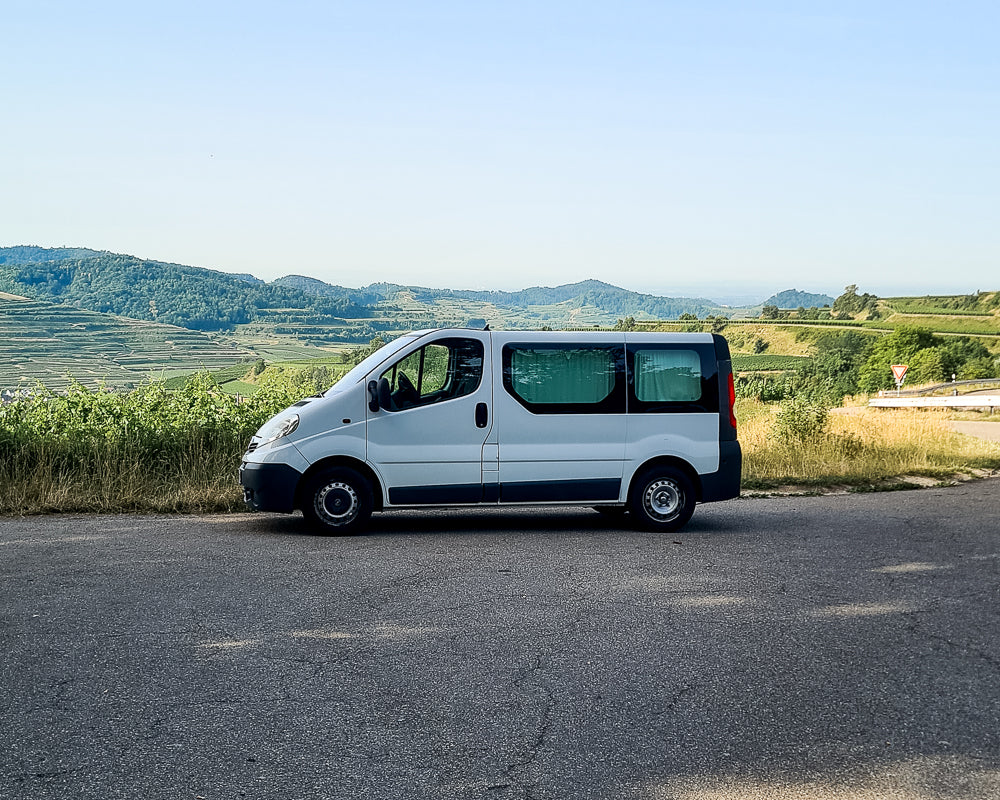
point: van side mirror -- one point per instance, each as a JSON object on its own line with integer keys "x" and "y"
{"x": 373, "y": 395}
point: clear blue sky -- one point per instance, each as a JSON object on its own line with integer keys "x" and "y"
{"x": 701, "y": 148}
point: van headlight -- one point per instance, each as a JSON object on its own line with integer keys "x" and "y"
{"x": 281, "y": 428}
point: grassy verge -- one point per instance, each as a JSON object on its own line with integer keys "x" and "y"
{"x": 199, "y": 476}
{"x": 870, "y": 449}
{"x": 179, "y": 452}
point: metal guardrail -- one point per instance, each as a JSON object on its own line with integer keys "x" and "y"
{"x": 950, "y": 384}
{"x": 989, "y": 401}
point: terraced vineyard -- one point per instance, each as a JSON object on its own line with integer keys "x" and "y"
{"x": 940, "y": 322}
{"x": 768, "y": 363}
{"x": 53, "y": 344}
{"x": 974, "y": 314}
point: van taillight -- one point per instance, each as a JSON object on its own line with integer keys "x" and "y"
{"x": 732, "y": 401}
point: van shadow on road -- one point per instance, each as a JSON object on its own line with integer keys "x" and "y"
{"x": 529, "y": 521}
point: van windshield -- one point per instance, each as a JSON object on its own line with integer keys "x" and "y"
{"x": 366, "y": 366}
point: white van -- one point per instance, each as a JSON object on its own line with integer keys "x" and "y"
{"x": 636, "y": 422}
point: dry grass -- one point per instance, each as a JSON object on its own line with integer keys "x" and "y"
{"x": 867, "y": 448}
{"x": 780, "y": 340}
{"x": 860, "y": 449}
{"x": 113, "y": 481}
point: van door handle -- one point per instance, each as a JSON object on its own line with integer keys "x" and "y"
{"x": 482, "y": 415}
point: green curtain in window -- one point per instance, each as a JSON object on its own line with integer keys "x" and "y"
{"x": 667, "y": 376}
{"x": 562, "y": 376}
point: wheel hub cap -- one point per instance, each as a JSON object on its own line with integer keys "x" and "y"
{"x": 337, "y": 503}
{"x": 662, "y": 499}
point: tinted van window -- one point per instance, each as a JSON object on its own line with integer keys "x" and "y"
{"x": 667, "y": 376}
{"x": 561, "y": 379}
{"x": 439, "y": 371}
{"x": 671, "y": 378}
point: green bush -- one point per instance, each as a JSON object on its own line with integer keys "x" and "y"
{"x": 151, "y": 448}
{"x": 799, "y": 421}
{"x": 766, "y": 388}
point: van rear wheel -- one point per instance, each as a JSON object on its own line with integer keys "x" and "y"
{"x": 662, "y": 499}
{"x": 337, "y": 502}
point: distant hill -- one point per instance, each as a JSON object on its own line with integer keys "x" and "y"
{"x": 27, "y": 254}
{"x": 606, "y": 298}
{"x": 611, "y": 299}
{"x": 307, "y": 308}
{"x": 191, "y": 297}
{"x": 246, "y": 276}
{"x": 793, "y": 298}
{"x": 313, "y": 286}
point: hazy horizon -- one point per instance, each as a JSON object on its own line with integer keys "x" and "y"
{"x": 735, "y": 293}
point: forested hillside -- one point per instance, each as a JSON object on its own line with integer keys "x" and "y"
{"x": 302, "y": 283}
{"x": 206, "y": 300}
{"x": 610, "y": 299}
{"x": 27, "y": 254}
{"x": 190, "y": 297}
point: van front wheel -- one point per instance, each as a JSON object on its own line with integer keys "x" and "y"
{"x": 662, "y": 499}
{"x": 337, "y": 502}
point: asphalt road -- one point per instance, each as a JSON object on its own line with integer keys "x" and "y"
{"x": 831, "y": 647}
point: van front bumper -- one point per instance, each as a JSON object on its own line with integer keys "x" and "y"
{"x": 269, "y": 487}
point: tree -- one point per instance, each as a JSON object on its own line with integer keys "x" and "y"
{"x": 978, "y": 368}
{"x": 899, "y": 347}
{"x": 926, "y": 366}
{"x": 957, "y": 352}
{"x": 852, "y": 303}
{"x": 833, "y": 372}
{"x": 361, "y": 353}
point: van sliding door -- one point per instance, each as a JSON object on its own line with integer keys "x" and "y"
{"x": 561, "y": 419}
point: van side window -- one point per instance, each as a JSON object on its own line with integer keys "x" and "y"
{"x": 672, "y": 378}
{"x": 667, "y": 375}
{"x": 565, "y": 379}
{"x": 442, "y": 370}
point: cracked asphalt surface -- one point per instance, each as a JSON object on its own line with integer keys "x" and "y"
{"x": 829, "y": 647}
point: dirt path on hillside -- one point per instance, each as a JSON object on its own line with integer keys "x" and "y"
{"x": 981, "y": 430}
{"x": 990, "y": 431}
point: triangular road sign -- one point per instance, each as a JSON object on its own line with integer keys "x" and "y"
{"x": 899, "y": 370}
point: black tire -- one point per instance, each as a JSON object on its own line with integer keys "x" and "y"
{"x": 662, "y": 499}
{"x": 337, "y": 502}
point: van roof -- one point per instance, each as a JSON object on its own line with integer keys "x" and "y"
{"x": 580, "y": 335}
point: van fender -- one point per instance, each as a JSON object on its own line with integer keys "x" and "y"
{"x": 672, "y": 461}
{"x": 357, "y": 465}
